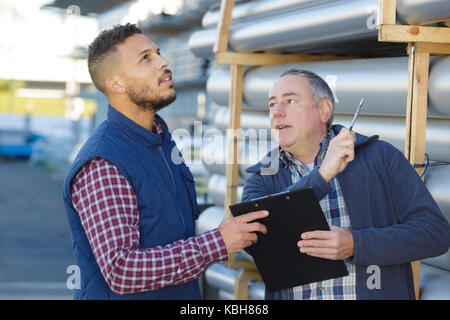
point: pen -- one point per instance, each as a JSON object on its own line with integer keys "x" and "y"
{"x": 356, "y": 114}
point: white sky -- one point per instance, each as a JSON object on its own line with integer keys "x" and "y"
{"x": 34, "y": 42}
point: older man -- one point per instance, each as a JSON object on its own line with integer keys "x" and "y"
{"x": 131, "y": 209}
{"x": 380, "y": 213}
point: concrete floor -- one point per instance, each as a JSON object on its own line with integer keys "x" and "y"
{"x": 35, "y": 241}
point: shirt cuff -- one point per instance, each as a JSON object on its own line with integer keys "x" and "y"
{"x": 212, "y": 246}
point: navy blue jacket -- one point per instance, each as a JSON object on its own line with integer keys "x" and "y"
{"x": 165, "y": 196}
{"x": 394, "y": 219}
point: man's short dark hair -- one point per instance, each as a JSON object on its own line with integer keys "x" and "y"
{"x": 102, "y": 49}
{"x": 318, "y": 87}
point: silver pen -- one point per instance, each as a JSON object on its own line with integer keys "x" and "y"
{"x": 356, "y": 114}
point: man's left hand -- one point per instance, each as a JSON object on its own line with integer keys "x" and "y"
{"x": 336, "y": 244}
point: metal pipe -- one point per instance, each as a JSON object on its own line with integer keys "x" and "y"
{"x": 434, "y": 283}
{"x": 259, "y": 10}
{"x": 209, "y": 219}
{"x": 256, "y": 290}
{"x": 423, "y": 11}
{"x": 217, "y": 189}
{"x": 409, "y": 11}
{"x": 249, "y": 120}
{"x": 382, "y": 81}
{"x": 439, "y": 86}
{"x": 344, "y": 20}
{"x": 437, "y": 180}
{"x": 219, "y": 276}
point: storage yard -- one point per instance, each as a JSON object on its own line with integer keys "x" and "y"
{"x": 339, "y": 40}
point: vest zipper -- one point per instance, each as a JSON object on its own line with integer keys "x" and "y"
{"x": 174, "y": 188}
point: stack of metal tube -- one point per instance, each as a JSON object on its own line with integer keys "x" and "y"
{"x": 345, "y": 26}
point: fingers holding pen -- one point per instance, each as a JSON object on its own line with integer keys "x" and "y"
{"x": 341, "y": 151}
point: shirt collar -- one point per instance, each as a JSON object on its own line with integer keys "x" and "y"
{"x": 289, "y": 160}
{"x": 137, "y": 132}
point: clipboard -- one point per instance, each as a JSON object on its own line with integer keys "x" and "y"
{"x": 276, "y": 255}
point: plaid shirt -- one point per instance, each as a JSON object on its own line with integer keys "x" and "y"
{"x": 333, "y": 207}
{"x": 108, "y": 209}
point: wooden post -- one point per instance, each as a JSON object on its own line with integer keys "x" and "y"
{"x": 223, "y": 30}
{"x": 241, "y": 283}
{"x": 416, "y": 121}
{"x": 388, "y": 11}
{"x": 233, "y": 133}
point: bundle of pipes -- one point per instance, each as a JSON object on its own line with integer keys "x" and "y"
{"x": 339, "y": 26}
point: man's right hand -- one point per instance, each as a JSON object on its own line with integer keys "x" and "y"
{"x": 341, "y": 151}
{"x": 239, "y": 232}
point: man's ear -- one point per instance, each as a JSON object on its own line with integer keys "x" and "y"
{"x": 325, "y": 110}
{"x": 114, "y": 84}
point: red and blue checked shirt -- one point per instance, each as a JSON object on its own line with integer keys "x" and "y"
{"x": 107, "y": 206}
{"x": 335, "y": 211}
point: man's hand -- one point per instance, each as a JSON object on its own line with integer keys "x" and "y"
{"x": 238, "y": 233}
{"x": 341, "y": 151}
{"x": 336, "y": 244}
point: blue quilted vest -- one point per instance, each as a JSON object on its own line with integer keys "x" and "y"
{"x": 165, "y": 194}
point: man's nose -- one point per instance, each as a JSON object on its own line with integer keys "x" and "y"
{"x": 163, "y": 63}
{"x": 278, "y": 110}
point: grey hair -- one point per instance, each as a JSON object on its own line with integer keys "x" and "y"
{"x": 318, "y": 87}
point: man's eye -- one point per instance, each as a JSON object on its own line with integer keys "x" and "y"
{"x": 145, "y": 57}
{"x": 271, "y": 105}
{"x": 291, "y": 101}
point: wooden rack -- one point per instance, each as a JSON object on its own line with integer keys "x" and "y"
{"x": 423, "y": 41}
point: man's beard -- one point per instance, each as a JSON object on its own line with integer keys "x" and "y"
{"x": 140, "y": 98}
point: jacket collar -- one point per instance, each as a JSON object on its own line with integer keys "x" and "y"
{"x": 361, "y": 141}
{"x": 137, "y": 132}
